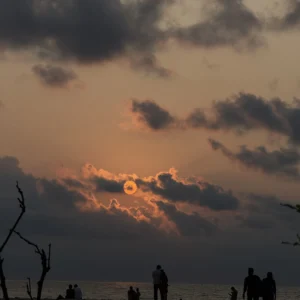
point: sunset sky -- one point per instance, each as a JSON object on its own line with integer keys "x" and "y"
{"x": 196, "y": 101}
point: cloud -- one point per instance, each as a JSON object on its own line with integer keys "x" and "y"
{"x": 85, "y": 31}
{"x": 71, "y": 215}
{"x": 240, "y": 113}
{"x": 102, "y": 31}
{"x": 152, "y": 115}
{"x": 291, "y": 19}
{"x": 166, "y": 185}
{"x": 54, "y": 76}
{"x": 187, "y": 224}
{"x": 149, "y": 64}
{"x": 229, "y": 22}
{"x": 283, "y": 162}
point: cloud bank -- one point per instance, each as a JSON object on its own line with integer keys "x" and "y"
{"x": 240, "y": 113}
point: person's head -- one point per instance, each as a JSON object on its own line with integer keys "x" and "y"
{"x": 250, "y": 271}
{"x": 70, "y": 286}
{"x": 158, "y": 267}
{"x": 138, "y": 289}
{"x": 75, "y": 285}
{"x": 233, "y": 288}
{"x": 270, "y": 275}
{"x": 130, "y": 287}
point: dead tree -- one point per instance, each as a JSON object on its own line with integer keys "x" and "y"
{"x": 45, "y": 262}
{"x": 23, "y": 209}
{"x": 297, "y": 209}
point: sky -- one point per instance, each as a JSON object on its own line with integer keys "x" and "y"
{"x": 197, "y": 102}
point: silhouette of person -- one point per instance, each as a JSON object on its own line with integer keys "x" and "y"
{"x": 70, "y": 292}
{"x": 77, "y": 292}
{"x": 269, "y": 287}
{"x": 131, "y": 294}
{"x": 234, "y": 293}
{"x": 156, "y": 276}
{"x": 164, "y": 284}
{"x": 252, "y": 285}
{"x": 138, "y": 294}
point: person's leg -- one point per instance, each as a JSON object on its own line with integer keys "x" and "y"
{"x": 155, "y": 291}
{"x": 162, "y": 292}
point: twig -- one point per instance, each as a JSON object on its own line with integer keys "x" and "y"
{"x": 45, "y": 262}
{"x": 21, "y": 200}
{"x": 23, "y": 209}
{"x": 28, "y": 288}
{"x": 294, "y": 207}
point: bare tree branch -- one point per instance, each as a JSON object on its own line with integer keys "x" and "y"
{"x": 21, "y": 200}
{"x": 45, "y": 262}
{"x": 297, "y": 208}
{"x": 23, "y": 209}
{"x": 28, "y": 288}
{"x": 294, "y": 207}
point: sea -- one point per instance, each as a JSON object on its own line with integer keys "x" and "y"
{"x": 118, "y": 290}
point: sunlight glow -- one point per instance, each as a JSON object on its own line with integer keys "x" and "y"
{"x": 130, "y": 187}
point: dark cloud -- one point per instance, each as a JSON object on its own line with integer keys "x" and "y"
{"x": 97, "y": 236}
{"x": 240, "y": 113}
{"x": 200, "y": 193}
{"x": 229, "y": 23}
{"x": 100, "y": 31}
{"x": 152, "y": 115}
{"x": 292, "y": 18}
{"x": 283, "y": 162}
{"x": 187, "y": 224}
{"x": 84, "y": 31}
{"x": 165, "y": 185}
{"x": 53, "y": 76}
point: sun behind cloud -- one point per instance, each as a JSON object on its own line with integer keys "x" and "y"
{"x": 130, "y": 187}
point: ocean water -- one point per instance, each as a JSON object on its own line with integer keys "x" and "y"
{"x": 118, "y": 290}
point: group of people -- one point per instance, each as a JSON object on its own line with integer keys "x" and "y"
{"x": 72, "y": 293}
{"x": 160, "y": 283}
{"x": 256, "y": 288}
{"x": 134, "y": 294}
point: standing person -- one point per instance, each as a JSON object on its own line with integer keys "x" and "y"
{"x": 269, "y": 287}
{"x": 234, "y": 293}
{"x": 164, "y": 284}
{"x": 157, "y": 282}
{"x": 138, "y": 294}
{"x": 252, "y": 286}
{"x": 70, "y": 292}
{"x": 77, "y": 292}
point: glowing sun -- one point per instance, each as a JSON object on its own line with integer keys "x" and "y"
{"x": 130, "y": 187}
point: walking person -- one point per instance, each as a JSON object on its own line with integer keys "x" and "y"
{"x": 156, "y": 276}
{"x": 269, "y": 287}
{"x": 252, "y": 285}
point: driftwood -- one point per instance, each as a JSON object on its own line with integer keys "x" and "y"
{"x": 45, "y": 262}
{"x": 21, "y": 200}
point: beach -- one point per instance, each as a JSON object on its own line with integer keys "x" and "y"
{"x": 118, "y": 290}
